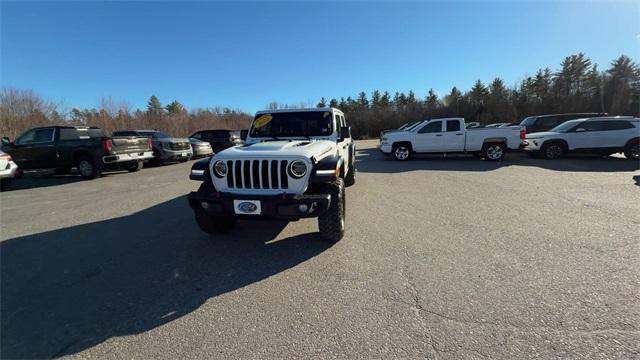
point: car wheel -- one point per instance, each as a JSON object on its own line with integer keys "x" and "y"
{"x": 331, "y": 223}
{"x": 87, "y": 168}
{"x": 552, "y": 150}
{"x": 401, "y": 152}
{"x": 135, "y": 166}
{"x": 632, "y": 151}
{"x": 494, "y": 151}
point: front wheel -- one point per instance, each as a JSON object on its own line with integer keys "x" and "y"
{"x": 552, "y": 151}
{"x": 494, "y": 152}
{"x": 350, "y": 179}
{"x": 331, "y": 223}
{"x": 632, "y": 151}
{"x": 401, "y": 152}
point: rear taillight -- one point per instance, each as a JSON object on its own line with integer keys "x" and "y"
{"x": 149, "y": 143}
{"x": 523, "y": 133}
{"x": 107, "y": 144}
{"x": 6, "y": 157}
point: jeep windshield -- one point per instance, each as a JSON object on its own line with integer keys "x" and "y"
{"x": 292, "y": 124}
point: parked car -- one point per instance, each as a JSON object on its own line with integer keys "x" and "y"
{"x": 295, "y": 164}
{"x": 87, "y": 148}
{"x": 219, "y": 139}
{"x": 165, "y": 147}
{"x": 533, "y": 124}
{"x": 600, "y": 135}
{"x": 449, "y": 135}
{"x": 200, "y": 148}
{"x": 471, "y": 125}
{"x": 8, "y": 170}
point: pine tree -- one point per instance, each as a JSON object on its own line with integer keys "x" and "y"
{"x": 153, "y": 106}
{"x": 333, "y": 103}
{"x": 322, "y": 103}
{"x": 622, "y": 87}
{"x": 363, "y": 103}
{"x": 174, "y": 108}
{"x": 375, "y": 99}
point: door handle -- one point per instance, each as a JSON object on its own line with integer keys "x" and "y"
{"x": 438, "y": 134}
{"x": 458, "y": 134}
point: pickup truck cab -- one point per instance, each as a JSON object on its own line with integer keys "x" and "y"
{"x": 87, "y": 148}
{"x": 600, "y": 135}
{"x": 295, "y": 164}
{"x": 450, "y": 135}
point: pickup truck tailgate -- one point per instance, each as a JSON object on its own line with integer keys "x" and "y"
{"x": 129, "y": 144}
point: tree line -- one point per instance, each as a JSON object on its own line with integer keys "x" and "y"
{"x": 578, "y": 86}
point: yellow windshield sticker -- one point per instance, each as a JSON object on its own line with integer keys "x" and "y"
{"x": 326, "y": 113}
{"x": 262, "y": 120}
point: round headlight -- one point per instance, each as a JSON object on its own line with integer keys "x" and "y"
{"x": 297, "y": 169}
{"x": 220, "y": 168}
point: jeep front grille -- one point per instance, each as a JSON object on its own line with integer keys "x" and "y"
{"x": 257, "y": 174}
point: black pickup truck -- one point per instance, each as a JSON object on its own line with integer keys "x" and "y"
{"x": 87, "y": 148}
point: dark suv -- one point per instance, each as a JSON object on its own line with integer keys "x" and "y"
{"x": 219, "y": 139}
{"x": 533, "y": 124}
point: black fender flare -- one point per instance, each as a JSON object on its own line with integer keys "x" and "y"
{"x": 198, "y": 166}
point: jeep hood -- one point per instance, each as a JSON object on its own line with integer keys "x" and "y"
{"x": 280, "y": 148}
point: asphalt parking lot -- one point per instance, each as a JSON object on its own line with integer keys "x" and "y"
{"x": 442, "y": 258}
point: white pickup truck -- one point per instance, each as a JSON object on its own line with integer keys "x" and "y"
{"x": 450, "y": 135}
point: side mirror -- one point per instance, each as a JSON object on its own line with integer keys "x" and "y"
{"x": 345, "y": 132}
{"x": 5, "y": 140}
{"x": 580, "y": 130}
{"x": 243, "y": 134}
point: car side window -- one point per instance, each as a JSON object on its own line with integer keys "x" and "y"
{"x": 592, "y": 126}
{"x": 453, "y": 125}
{"x": 69, "y": 134}
{"x": 196, "y": 136}
{"x": 36, "y": 136}
{"x": 432, "y": 127}
{"x": 548, "y": 122}
{"x": 616, "y": 125}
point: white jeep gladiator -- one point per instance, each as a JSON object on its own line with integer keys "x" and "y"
{"x": 450, "y": 135}
{"x": 295, "y": 164}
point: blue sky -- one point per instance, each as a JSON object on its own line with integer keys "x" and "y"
{"x": 246, "y": 54}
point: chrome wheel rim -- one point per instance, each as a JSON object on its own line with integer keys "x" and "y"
{"x": 85, "y": 167}
{"x": 402, "y": 153}
{"x": 495, "y": 152}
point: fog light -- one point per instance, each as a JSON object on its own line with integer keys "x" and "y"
{"x": 303, "y": 208}
{"x": 204, "y": 204}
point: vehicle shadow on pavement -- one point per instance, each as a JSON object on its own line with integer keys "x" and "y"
{"x": 371, "y": 160}
{"x": 67, "y": 290}
{"x": 47, "y": 179}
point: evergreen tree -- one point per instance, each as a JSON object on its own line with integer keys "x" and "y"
{"x": 174, "y": 108}
{"x": 322, "y": 103}
{"x": 333, "y": 103}
{"x": 622, "y": 87}
{"x": 153, "y": 106}
{"x": 375, "y": 99}
{"x": 363, "y": 102}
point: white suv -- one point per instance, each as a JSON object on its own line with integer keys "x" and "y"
{"x": 600, "y": 135}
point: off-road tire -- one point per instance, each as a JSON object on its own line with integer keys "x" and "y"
{"x": 214, "y": 224}
{"x": 401, "y": 152}
{"x": 493, "y": 151}
{"x": 331, "y": 223}
{"x": 350, "y": 179}
{"x": 135, "y": 166}
{"x": 551, "y": 151}
{"x": 87, "y": 168}
{"x": 632, "y": 151}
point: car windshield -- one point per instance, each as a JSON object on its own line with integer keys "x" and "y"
{"x": 528, "y": 121}
{"x": 413, "y": 126}
{"x": 565, "y": 127}
{"x": 154, "y": 134}
{"x": 292, "y": 124}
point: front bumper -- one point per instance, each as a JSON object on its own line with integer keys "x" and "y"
{"x": 9, "y": 171}
{"x": 532, "y": 144}
{"x": 285, "y": 206}
{"x": 114, "y": 159}
{"x": 385, "y": 148}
